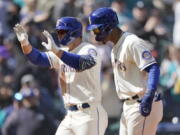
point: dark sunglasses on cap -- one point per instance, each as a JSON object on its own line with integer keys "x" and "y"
{"x": 96, "y": 31}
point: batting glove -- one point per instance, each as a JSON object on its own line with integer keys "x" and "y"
{"x": 21, "y": 34}
{"x": 146, "y": 103}
{"x": 51, "y": 45}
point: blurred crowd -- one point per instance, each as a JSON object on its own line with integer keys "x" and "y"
{"x": 30, "y": 99}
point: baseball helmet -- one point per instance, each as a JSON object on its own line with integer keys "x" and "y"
{"x": 72, "y": 26}
{"x": 104, "y": 19}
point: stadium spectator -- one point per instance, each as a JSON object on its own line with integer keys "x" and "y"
{"x": 29, "y": 119}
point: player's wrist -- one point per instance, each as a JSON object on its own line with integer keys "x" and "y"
{"x": 55, "y": 50}
{"x": 26, "y": 49}
{"x": 148, "y": 97}
{"x": 59, "y": 53}
{"x": 25, "y": 42}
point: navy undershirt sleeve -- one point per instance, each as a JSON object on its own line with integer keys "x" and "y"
{"x": 38, "y": 58}
{"x": 78, "y": 62}
{"x": 71, "y": 59}
{"x": 153, "y": 77}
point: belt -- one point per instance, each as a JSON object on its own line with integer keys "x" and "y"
{"x": 78, "y": 107}
{"x": 130, "y": 98}
{"x": 157, "y": 98}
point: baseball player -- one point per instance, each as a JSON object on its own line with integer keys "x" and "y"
{"x": 79, "y": 75}
{"x": 136, "y": 74}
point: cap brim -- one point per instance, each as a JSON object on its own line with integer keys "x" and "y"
{"x": 92, "y": 27}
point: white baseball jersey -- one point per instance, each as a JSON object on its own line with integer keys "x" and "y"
{"x": 79, "y": 87}
{"x": 129, "y": 57}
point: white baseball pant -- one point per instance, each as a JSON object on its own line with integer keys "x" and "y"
{"x": 89, "y": 121}
{"x": 133, "y": 123}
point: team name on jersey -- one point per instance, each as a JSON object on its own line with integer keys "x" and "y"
{"x": 65, "y": 68}
{"x": 119, "y": 65}
{"x": 67, "y": 74}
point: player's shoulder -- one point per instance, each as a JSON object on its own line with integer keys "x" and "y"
{"x": 126, "y": 40}
{"x": 89, "y": 48}
{"x": 133, "y": 40}
{"x": 88, "y": 45}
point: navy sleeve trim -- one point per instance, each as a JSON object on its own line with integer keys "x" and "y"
{"x": 147, "y": 65}
{"x": 78, "y": 62}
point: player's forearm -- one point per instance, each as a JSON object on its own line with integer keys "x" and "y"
{"x": 34, "y": 56}
{"x": 26, "y": 47}
{"x": 38, "y": 58}
{"x": 153, "y": 77}
{"x": 78, "y": 62}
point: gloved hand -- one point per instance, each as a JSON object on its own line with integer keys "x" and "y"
{"x": 21, "y": 34}
{"x": 146, "y": 103}
{"x": 51, "y": 45}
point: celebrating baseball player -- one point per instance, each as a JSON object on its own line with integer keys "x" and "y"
{"x": 136, "y": 74}
{"x": 79, "y": 72}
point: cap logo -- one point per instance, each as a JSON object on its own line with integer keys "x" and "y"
{"x": 60, "y": 23}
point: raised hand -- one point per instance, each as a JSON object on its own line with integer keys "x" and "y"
{"x": 21, "y": 33}
{"x": 50, "y": 45}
